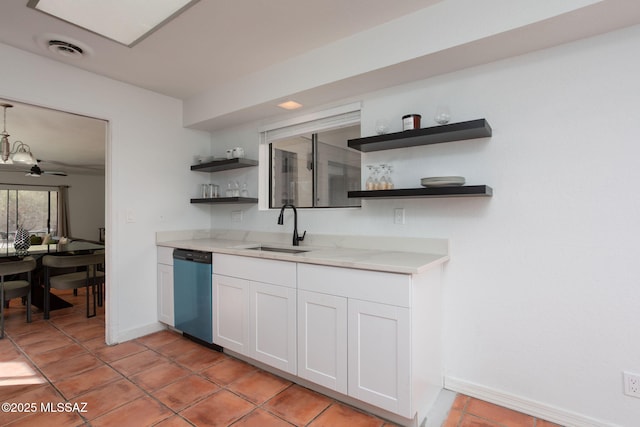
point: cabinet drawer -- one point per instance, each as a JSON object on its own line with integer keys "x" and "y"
{"x": 375, "y": 286}
{"x": 165, "y": 255}
{"x": 281, "y": 273}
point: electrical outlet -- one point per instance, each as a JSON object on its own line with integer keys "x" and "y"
{"x": 631, "y": 384}
{"x": 236, "y": 216}
{"x": 398, "y": 216}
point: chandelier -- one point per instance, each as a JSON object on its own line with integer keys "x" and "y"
{"x": 19, "y": 153}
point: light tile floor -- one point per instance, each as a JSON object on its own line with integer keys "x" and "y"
{"x": 165, "y": 380}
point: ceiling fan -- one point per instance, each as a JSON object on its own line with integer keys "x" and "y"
{"x": 35, "y": 171}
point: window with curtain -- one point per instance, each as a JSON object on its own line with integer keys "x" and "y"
{"x": 310, "y": 164}
{"x": 35, "y": 210}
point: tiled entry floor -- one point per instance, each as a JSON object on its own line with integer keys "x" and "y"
{"x": 164, "y": 379}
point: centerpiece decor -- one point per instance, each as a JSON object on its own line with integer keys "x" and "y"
{"x": 22, "y": 241}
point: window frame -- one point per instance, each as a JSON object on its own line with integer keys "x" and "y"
{"x": 347, "y": 115}
{"x": 25, "y": 187}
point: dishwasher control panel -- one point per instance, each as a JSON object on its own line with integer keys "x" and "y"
{"x": 194, "y": 256}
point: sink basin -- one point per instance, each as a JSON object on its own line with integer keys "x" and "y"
{"x": 277, "y": 249}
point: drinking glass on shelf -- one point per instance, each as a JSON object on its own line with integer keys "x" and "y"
{"x": 213, "y": 190}
{"x": 369, "y": 185}
{"x": 244, "y": 192}
{"x": 229, "y": 192}
{"x": 443, "y": 114}
{"x": 382, "y": 126}
{"x": 383, "y": 181}
{"x": 376, "y": 180}
{"x": 389, "y": 180}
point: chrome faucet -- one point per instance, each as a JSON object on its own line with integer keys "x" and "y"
{"x": 296, "y": 239}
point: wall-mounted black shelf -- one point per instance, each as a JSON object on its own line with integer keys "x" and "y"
{"x": 222, "y": 200}
{"x": 432, "y": 135}
{"x": 224, "y": 164}
{"x": 448, "y": 191}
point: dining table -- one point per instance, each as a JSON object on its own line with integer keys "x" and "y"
{"x": 73, "y": 247}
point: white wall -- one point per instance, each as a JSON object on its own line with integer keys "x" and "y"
{"x": 86, "y": 205}
{"x": 542, "y": 290}
{"x": 86, "y": 199}
{"x": 148, "y": 158}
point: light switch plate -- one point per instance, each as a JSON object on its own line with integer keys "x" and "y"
{"x": 398, "y": 216}
{"x": 130, "y": 216}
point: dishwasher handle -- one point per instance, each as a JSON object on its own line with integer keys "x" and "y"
{"x": 194, "y": 256}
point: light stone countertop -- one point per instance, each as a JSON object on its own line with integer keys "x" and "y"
{"x": 388, "y": 254}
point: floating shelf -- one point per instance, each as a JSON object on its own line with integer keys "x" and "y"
{"x": 222, "y": 200}
{"x": 449, "y": 191}
{"x": 432, "y": 135}
{"x": 224, "y": 164}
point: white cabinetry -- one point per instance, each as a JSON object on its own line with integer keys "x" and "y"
{"x": 373, "y": 336}
{"x": 255, "y": 309}
{"x": 272, "y": 331}
{"x": 165, "y": 285}
{"x": 322, "y": 339}
{"x": 379, "y": 355}
{"x": 230, "y": 317}
{"x": 392, "y": 358}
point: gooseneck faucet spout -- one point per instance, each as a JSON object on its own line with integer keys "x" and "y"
{"x": 296, "y": 238}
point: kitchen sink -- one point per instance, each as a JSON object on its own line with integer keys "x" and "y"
{"x": 277, "y": 249}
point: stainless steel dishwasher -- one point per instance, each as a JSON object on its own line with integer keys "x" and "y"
{"x": 192, "y": 294}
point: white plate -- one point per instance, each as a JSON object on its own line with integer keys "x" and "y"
{"x": 441, "y": 181}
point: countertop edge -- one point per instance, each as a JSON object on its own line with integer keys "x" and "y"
{"x": 361, "y": 259}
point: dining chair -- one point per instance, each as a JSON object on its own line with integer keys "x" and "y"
{"x": 91, "y": 277}
{"x": 15, "y": 287}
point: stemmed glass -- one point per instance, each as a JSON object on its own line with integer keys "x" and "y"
{"x": 383, "y": 183}
{"x": 369, "y": 184}
{"x": 388, "y": 180}
{"x": 376, "y": 180}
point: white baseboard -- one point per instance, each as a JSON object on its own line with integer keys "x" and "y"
{"x": 520, "y": 404}
{"x": 138, "y": 332}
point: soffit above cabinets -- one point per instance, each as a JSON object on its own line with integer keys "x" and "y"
{"x": 233, "y": 61}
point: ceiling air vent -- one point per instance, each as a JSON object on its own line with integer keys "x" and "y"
{"x": 67, "y": 49}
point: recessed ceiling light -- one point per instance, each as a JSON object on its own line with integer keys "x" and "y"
{"x": 124, "y": 21}
{"x": 289, "y": 105}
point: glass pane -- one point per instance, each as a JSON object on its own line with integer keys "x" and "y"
{"x": 338, "y": 168}
{"x": 30, "y": 209}
{"x": 291, "y": 172}
{"x": 4, "y": 210}
{"x": 12, "y": 215}
{"x": 33, "y": 211}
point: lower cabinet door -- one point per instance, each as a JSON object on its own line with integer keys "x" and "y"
{"x": 165, "y": 294}
{"x": 272, "y": 332}
{"x": 230, "y": 316}
{"x": 322, "y": 339}
{"x": 379, "y": 355}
